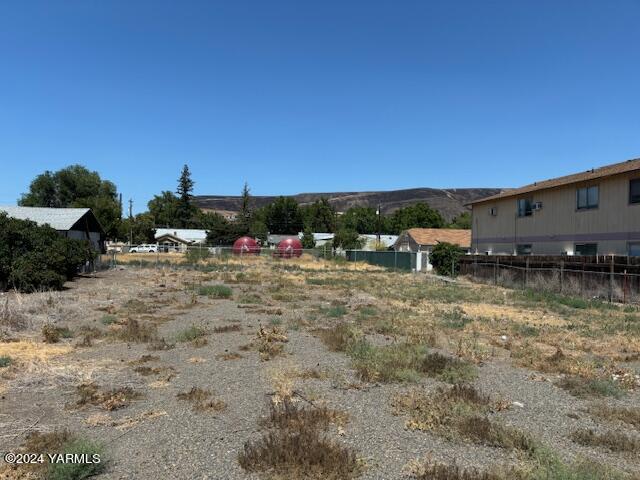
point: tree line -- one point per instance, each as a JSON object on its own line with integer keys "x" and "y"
{"x": 76, "y": 186}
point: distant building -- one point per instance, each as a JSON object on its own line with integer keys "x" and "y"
{"x": 370, "y": 241}
{"x": 178, "y": 239}
{"x": 596, "y": 212}
{"x": 77, "y": 223}
{"x": 422, "y": 241}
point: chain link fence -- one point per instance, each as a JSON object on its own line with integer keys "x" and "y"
{"x": 204, "y": 257}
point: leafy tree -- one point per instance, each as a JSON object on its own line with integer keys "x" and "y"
{"x": 445, "y": 258}
{"x": 461, "y": 221}
{"x": 320, "y": 216}
{"x": 142, "y": 226}
{"x": 219, "y": 230}
{"x": 283, "y": 216}
{"x": 164, "y": 209}
{"x": 308, "y": 241}
{"x": 36, "y": 257}
{"x": 361, "y": 219}
{"x": 419, "y": 215}
{"x": 77, "y": 187}
{"x": 186, "y": 210}
{"x": 259, "y": 230}
{"x": 347, "y": 240}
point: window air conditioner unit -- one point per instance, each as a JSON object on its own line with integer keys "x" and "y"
{"x": 537, "y": 206}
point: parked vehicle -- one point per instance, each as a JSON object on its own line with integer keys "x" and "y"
{"x": 145, "y": 248}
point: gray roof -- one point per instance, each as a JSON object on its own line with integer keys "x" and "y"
{"x": 58, "y": 218}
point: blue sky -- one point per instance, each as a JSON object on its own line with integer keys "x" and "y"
{"x": 298, "y": 96}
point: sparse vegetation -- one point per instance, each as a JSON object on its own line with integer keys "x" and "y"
{"x": 615, "y": 441}
{"x": 584, "y": 387}
{"x": 202, "y": 400}
{"x": 629, "y": 415}
{"x": 296, "y": 447}
{"x": 5, "y": 361}
{"x": 113, "y": 399}
{"x": 215, "y": 291}
{"x": 53, "y": 334}
{"x": 190, "y": 334}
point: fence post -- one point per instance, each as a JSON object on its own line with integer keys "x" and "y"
{"x": 495, "y": 271}
{"x": 395, "y": 260}
{"x": 611, "y": 275}
{"x": 561, "y": 276}
{"x": 526, "y": 273}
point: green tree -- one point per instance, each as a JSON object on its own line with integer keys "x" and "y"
{"x": 445, "y": 258}
{"x": 36, "y": 257}
{"x": 283, "y": 216}
{"x": 308, "y": 241}
{"x": 259, "y": 230}
{"x": 142, "y": 226}
{"x": 347, "y": 240}
{"x": 164, "y": 209}
{"x": 363, "y": 220}
{"x": 320, "y": 216}
{"x": 419, "y": 215}
{"x": 186, "y": 211}
{"x": 77, "y": 187}
{"x": 461, "y": 221}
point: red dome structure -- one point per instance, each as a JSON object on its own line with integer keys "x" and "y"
{"x": 290, "y": 247}
{"x": 246, "y": 246}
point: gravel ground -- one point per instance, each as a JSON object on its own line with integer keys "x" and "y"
{"x": 166, "y": 438}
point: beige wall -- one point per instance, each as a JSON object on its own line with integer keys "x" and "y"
{"x": 559, "y": 225}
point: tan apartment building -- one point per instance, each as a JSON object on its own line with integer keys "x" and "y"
{"x": 588, "y": 213}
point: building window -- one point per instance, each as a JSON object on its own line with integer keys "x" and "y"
{"x": 493, "y": 211}
{"x": 586, "y": 249}
{"x": 634, "y": 191}
{"x": 523, "y": 249}
{"x": 588, "y": 197}
{"x": 634, "y": 249}
{"x": 525, "y": 208}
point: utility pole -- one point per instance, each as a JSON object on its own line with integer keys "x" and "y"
{"x": 378, "y": 212}
{"x": 130, "y": 221}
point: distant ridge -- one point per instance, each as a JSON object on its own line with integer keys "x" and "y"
{"x": 449, "y": 202}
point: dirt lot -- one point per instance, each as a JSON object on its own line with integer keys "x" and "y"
{"x": 309, "y": 369}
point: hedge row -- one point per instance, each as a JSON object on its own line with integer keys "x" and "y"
{"x": 36, "y": 257}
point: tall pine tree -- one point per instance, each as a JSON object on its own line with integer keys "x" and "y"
{"x": 186, "y": 210}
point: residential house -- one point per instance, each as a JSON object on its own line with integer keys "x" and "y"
{"x": 422, "y": 241}
{"x": 179, "y": 239}
{"x": 596, "y": 212}
{"x": 78, "y": 223}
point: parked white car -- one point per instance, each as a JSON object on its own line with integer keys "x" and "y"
{"x": 145, "y": 248}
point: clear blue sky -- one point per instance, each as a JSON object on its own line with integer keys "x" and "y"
{"x": 299, "y": 96}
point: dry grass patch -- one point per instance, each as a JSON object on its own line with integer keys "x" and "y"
{"x": 289, "y": 414}
{"x": 227, "y": 328}
{"x": 53, "y": 334}
{"x": 269, "y": 343}
{"x": 202, "y": 400}
{"x": 340, "y": 337}
{"x": 629, "y": 415}
{"x": 461, "y": 411}
{"x": 296, "y": 446}
{"x": 114, "y": 399}
{"x": 440, "y": 471}
{"x": 611, "y": 440}
{"x": 585, "y": 387}
{"x": 448, "y": 369}
{"x": 135, "y": 331}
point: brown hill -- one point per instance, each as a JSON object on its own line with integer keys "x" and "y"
{"x": 449, "y": 202}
